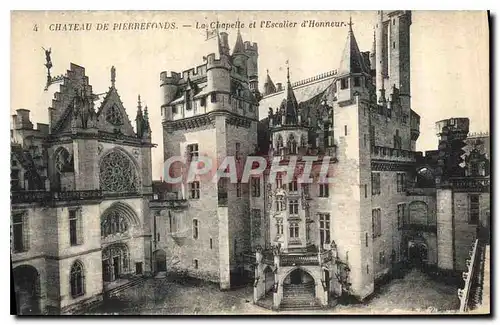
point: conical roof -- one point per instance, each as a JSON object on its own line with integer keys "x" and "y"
{"x": 289, "y": 105}
{"x": 352, "y": 59}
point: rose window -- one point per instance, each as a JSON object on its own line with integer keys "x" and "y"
{"x": 118, "y": 173}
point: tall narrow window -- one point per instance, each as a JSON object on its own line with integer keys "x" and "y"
{"x": 194, "y": 190}
{"x": 195, "y": 229}
{"x": 279, "y": 226}
{"x": 324, "y": 229}
{"x": 345, "y": 129}
{"x": 192, "y": 151}
{"x": 293, "y": 186}
{"x": 294, "y": 230}
{"x": 279, "y": 180}
{"x": 474, "y": 209}
{"x": 323, "y": 190}
{"x": 293, "y": 207}
{"x": 211, "y": 243}
{"x": 344, "y": 83}
{"x": 372, "y": 135}
{"x": 357, "y": 82}
{"x": 195, "y": 262}
{"x": 366, "y": 190}
{"x": 20, "y": 232}
{"x": 401, "y": 182}
{"x": 376, "y": 223}
{"x": 375, "y": 183}
{"x": 366, "y": 239}
{"x": 75, "y": 227}
{"x": 213, "y": 97}
{"x": 255, "y": 187}
{"x": 77, "y": 280}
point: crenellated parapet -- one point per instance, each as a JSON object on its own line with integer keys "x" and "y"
{"x": 459, "y": 125}
{"x": 221, "y": 63}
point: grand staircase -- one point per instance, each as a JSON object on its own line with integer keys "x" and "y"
{"x": 299, "y": 297}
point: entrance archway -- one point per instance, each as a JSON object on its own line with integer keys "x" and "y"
{"x": 27, "y": 289}
{"x": 299, "y": 289}
{"x": 417, "y": 253}
{"x": 115, "y": 262}
{"x": 160, "y": 258}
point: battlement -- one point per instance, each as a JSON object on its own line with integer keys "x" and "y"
{"x": 195, "y": 73}
{"x": 456, "y": 124}
{"x": 169, "y": 77}
{"x": 251, "y": 46}
{"x": 222, "y": 62}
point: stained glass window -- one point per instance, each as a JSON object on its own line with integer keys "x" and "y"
{"x": 114, "y": 116}
{"x": 118, "y": 173}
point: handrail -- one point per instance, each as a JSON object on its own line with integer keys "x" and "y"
{"x": 463, "y": 294}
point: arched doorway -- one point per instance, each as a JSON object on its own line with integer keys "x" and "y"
{"x": 160, "y": 259}
{"x": 417, "y": 253}
{"x": 115, "y": 262}
{"x": 27, "y": 289}
{"x": 269, "y": 279}
{"x": 298, "y": 289}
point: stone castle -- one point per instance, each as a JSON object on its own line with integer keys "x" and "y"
{"x": 298, "y": 245}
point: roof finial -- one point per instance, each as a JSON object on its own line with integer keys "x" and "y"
{"x": 267, "y": 72}
{"x": 350, "y": 23}
{"x": 139, "y": 101}
{"x": 113, "y": 76}
{"x": 287, "y": 71}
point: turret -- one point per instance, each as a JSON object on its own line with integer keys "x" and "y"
{"x": 253, "y": 67}
{"x": 269, "y": 87}
{"x": 169, "y": 85}
{"x": 240, "y": 57}
{"x": 353, "y": 73}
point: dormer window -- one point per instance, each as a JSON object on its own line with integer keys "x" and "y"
{"x": 344, "y": 83}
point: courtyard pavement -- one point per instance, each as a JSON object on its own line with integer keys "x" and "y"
{"x": 416, "y": 292}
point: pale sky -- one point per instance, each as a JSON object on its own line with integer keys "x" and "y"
{"x": 449, "y": 58}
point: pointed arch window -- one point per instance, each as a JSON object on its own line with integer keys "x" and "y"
{"x": 77, "y": 280}
{"x": 63, "y": 161}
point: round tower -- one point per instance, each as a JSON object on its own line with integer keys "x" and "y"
{"x": 218, "y": 82}
{"x": 168, "y": 84}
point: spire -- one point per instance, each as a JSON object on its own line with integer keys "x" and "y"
{"x": 139, "y": 120}
{"x": 290, "y": 106}
{"x": 146, "y": 121}
{"x": 139, "y": 106}
{"x": 113, "y": 76}
{"x": 352, "y": 60}
{"x": 269, "y": 87}
{"x": 239, "y": 48}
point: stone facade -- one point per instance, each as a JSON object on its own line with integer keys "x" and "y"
{"x": 386, "y": 206}
{"x": 80, "y": 187}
